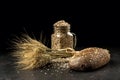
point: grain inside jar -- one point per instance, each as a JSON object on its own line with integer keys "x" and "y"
{"x": 62, "y": 37}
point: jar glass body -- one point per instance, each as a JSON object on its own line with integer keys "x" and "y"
{"x": 62, "y": 38}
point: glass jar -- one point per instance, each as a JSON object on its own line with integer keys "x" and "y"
{"x": 62, "y": 37}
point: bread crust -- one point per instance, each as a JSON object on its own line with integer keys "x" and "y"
{"x": 89, "y": 59}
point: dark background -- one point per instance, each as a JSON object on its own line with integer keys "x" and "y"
{"x": 94, "y": 26}
{"x": 96, "y": 23}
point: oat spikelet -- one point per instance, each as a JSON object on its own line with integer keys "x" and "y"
{"x": 30, "y": 53}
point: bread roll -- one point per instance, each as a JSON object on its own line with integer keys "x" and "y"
{"x": 89, "y": 59}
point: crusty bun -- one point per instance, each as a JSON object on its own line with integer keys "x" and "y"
{"x": 89, "y": 59}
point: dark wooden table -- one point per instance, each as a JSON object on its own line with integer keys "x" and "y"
{"x": 109, "y": 72}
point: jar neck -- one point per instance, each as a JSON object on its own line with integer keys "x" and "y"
{"x": 61, "y": 30}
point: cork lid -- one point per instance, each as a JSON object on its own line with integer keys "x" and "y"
{"x": 61, "y": 24}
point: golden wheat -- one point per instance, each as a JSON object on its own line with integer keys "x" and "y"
{"x": 32, "y": 54}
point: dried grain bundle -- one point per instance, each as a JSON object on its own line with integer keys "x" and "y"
{"x": 32, "y": 54}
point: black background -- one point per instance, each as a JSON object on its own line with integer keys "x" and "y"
{"x": 96, "y": 23}
{"x": 93, "y": 25}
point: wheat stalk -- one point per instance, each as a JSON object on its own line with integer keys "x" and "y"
{"x": 32, "y": 54}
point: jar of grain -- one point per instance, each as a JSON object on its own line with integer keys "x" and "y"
{"x": 62, "y": 37}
